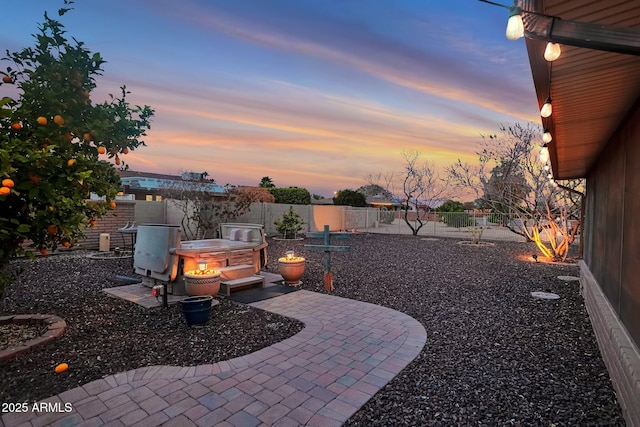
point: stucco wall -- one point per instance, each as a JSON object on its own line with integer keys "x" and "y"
{"x": 314, "y": 216}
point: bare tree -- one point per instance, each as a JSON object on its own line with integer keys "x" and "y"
{"x": 384, "y": 180}
{"x": 509, "y": 179}
{"x": 421, "y": 187}
{"x": 203, "y": 208}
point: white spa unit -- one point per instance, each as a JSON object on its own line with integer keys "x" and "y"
{"x": 159, "y": 254}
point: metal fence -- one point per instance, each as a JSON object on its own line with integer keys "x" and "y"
{"x": 446, "y": 224}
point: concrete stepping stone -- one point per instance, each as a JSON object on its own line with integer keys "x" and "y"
{"x": 545, "y": 295}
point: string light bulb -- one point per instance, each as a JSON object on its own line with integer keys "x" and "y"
{"x": 546, "y": 109}
{"x": 552, "y": 51}
{"x": 515, "y": 26}
{"x": 544, "y": 154}
{"x": 546, "y": 136}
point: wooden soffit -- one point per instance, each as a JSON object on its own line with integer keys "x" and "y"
{"x": 592, "y": 90}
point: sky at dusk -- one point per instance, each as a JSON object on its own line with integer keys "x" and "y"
{"x": 312, "y": 93}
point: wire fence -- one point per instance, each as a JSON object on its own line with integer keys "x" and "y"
{"x": 464, "y": 225}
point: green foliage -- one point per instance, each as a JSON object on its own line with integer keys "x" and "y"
{"x": 291, "y": 195}
{"x": 5, "y": 280}
{"x": 453, "y": 214}
{"x": 266, "y": 182}
{"x": 50, "y": 138}
{"x": 290, "y": 224}
{"x": 458, "y": 219}
{"x": 450, "y": 206}
{"x": 350, "y": 198}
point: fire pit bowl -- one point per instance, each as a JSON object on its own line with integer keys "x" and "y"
{"x": 291, "y": 268}
{"x": 202, "y": 281}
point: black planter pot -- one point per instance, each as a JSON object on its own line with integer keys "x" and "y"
{"x": 196, "y": 309}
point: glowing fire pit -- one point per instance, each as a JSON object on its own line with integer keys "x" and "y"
{"x": 291, "y": 268}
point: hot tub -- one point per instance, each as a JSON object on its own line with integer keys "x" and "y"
{"x": 241, "y": 248}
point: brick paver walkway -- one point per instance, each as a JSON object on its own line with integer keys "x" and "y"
{"x": 321, "y": 376}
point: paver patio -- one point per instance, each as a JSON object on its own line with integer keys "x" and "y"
{"x": 321, "y": 376}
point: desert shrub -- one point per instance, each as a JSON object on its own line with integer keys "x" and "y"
{"x": 290, "y": 224}
{"x": 387, "y": 216}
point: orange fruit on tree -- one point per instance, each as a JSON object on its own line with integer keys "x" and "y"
{"x": 112, "y": 205}
{"x": 58, "y": 119}
{"x": 101, "y": 150}
{"x": 8, "y": 183}
{"x": 51, "y": 208}
{"x": 66, "y": 244}
{"x": 16, "y": 125}
{"x": 43, "y": 251}
{"x": 87, "y": 137}
{"x": 117, "y": 160}
{"x": 125, "y": 150}
{"x": 52, "y": 229}
{"x": 68, "y": 136}
{"x": 42, "y": 120}
{"x": 92, "y": 222}
{"x": 71, "y": 162}
{"x": 7, "y": 79}
{"x": 34, "y": 178}
{"x": 4, "y": 191}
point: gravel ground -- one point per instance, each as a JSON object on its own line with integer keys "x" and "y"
{"x": 494, "y": 355}
{"x": 106, "y": 335}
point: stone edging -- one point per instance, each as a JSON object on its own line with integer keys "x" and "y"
{"x": 55, "y": 329}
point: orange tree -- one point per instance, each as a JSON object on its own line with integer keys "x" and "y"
{"x": 56, "y": 146}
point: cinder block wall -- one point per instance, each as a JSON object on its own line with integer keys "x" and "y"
{"x": 124, "y": 212}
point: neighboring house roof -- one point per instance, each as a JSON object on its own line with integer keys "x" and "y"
{"x": 129, "y": 174}
{"x": 591, "y": 90}
{"x": 153, "y": 182}
{"x": 383, "y": 200}
{"x": 429, "y": 203}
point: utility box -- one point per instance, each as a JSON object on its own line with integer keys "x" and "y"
{"x": 105, "y": 242}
